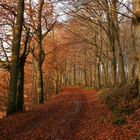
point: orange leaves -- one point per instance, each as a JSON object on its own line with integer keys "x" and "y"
{"x": 74, "y": 115}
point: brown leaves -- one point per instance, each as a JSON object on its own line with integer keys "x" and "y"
{"x": 73, "y": 115}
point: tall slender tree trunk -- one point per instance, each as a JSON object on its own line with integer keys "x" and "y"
{"x": 115, "y": 27}
{"x": 11, "y": 108}
{"x": 114, "y": 63}
{"x": 85, "y": 76}
{"x": 85, "y": 68}
{"x": 104, "y": 71}
{"x": 112, "y": 44}
{"x": 136, "y": 26}
{"x": 99, "y": 75}
{"x": 95, "y": 75}
{"x": 40, "y": 58}
{"x": 57, "y": 83}
{"x": 91, "y": 80}
{"x": 20, "y": 85}
{"x": 65, "y": 74}
{"x": 74, "y": 74}
{"x": 39, "y": 84}
{"x": 107, "y": 68}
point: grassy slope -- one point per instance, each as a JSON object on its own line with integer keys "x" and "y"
{"x": 122, "y": 101}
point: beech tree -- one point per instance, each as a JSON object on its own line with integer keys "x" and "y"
{"x": 8, "y": 23}
{"x": 22, "y": 60}
{"x": 136, "y": 27}
{"x": 42, "y": 21}
{"x": 15, "y": 58}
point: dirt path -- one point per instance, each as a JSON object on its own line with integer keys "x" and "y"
{"x": 56, "y": 120}
{"x": 73, "y": 115}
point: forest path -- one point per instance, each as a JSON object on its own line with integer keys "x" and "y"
{"x": 73, "y": 115}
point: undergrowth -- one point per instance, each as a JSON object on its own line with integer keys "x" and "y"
{"x": 121, "y": 101}
{"x": 88, "y": 88}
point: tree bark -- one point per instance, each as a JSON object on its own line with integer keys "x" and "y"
{"x": 111, "y": 38}
{"x": 11, "y": 107}
{"x": 39, "y": 83}
{"x": 136, "y": 26}
{"x": 40, "y": 58}
{"x": 99, "y": 75}
{"x": 115, "y": 27}
{"x": 20, "y": 85}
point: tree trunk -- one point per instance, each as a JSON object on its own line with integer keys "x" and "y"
{"x": 115, "y": 28}
{"x": 11, "y": 108}
{"x": 74, "y": 74}
{"x": 136, "y": 25}
{"x": 91, "y": 80}
{"x": 114, "y": 63}
{"x": 107, "y": 68}
{"x": 39, "y": 83}
{"x": 40, "y": 58}
{"x": 111, "y": 38}
{"x": 99, "y": 76}
{"x": 20, "y": 85}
